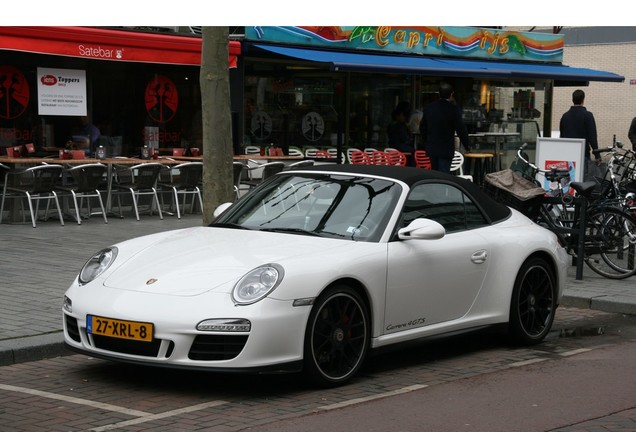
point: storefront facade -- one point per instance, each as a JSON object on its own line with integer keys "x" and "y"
{"x": 137, "y": 88}
{"x": 290, "y": 86}
{"x": 337, "y": 86}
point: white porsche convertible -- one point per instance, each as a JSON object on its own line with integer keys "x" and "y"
{"x": 313, "y": 269}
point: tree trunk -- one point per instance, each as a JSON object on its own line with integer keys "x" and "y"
{"x": 217, "y": 128}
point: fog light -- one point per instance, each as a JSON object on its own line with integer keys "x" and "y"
{"x": 225, "y": 325}
{"x": 68, "y": 305}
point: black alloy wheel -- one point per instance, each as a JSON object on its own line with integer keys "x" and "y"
{"x": 533, "y": 303}
{"x": 337, "y": 337}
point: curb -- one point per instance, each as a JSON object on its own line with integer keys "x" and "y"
{"x": 32, "y": 348}
{"x": 621, "y": 304}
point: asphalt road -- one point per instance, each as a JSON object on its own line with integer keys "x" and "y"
{"x": 591, "y": 391}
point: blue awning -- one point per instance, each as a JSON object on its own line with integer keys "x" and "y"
{"x": 361, "y": 62}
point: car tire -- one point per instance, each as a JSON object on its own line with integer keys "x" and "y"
{"x": 533, "y": 304}
{"x": 337, "y": 337}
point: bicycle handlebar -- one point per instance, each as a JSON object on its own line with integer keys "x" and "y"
{"x": 552, "y": 174}
{"x": 613, "y": 148}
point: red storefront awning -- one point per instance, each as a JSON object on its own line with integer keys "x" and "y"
{"x": 107, "y": 44}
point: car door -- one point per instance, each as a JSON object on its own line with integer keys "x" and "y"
{"x": 433, "y": 281}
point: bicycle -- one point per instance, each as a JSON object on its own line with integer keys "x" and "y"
{"x": 618, "y": 183}
{"x": 595, "y": 232}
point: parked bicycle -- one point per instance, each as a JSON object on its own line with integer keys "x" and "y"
{"x": 598, "y": 232}
{"x": 618, "y": 184}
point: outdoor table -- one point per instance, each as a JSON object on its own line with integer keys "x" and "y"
{"x": 267, "y": 158}
{"x": 478, "y": 165}
{"x": 240, "y": 158}
{"x": 499, "y": 138}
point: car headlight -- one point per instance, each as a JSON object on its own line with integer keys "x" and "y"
{"x": 97, "y": 265}
{"x": 257, "y": 284}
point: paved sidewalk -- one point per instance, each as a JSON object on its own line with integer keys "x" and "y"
{"x": 38, "y": 264}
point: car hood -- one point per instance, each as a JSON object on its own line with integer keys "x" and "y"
{"x": 195, "y": 260}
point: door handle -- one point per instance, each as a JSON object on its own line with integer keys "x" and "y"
{"x": 479, "y": 257}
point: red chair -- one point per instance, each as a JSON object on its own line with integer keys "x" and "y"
{"x": 360, "y": 158}
{"x": 397, "y": 157}
{"x": 380, "y": 158}
{"x": 322, "y": 154}
{"x": 422, "y": 160}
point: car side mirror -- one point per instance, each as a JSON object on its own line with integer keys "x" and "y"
{"x": 421, "y": 228}
{"x": 221, "y": 208}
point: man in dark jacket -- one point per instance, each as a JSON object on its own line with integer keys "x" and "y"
{"x": 440, "y": 121}
{"x": 632, "y": 133}
{"x": 578, "y": 122}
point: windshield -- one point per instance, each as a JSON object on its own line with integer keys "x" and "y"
{"x": 336, "y": 206}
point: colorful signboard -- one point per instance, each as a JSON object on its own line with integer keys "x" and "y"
{"x": 465, "y": 42}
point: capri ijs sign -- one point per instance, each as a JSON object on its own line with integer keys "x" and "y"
{"x": 467, "y": 42}
{"x": 61, "y": 92}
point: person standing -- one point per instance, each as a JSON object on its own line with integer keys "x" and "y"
{"x": 440, "y": 121}
{"x": 398, "y": 133}
{"x": 578, "y": 122}
{"x": 632, "y": 133}
{"x": 89, "y": 134}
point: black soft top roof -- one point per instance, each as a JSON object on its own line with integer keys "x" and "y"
{"x": 411, "y": 176}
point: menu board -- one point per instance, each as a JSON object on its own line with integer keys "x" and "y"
{"x": 560, "y": 153}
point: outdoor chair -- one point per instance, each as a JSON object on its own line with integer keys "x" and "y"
{"x": 139, "y": 180}
{"x": 295, "y": 151}
{"x": 333, "y": 151}
{"x": 358, "y": 157}
{"x": 379, "y": 157}
{"x": 268, "y": 169}
{"x": 396, "y": 157}
{"x": 322, "y": 154}
{"x": 86, "y": 181}
{"x": 457, "y": 166}
{"x": 350, "y": 151}
{"x": 36, "y": 184}
{"x": 310, "y": 152}
{"x": 184, "y": 179}
{"x": 422, "y": 160}
{"x": 238, "y": 168}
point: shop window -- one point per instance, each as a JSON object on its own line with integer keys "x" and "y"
{"x": 373, "y": 99}
{"x": 292, "y": 111}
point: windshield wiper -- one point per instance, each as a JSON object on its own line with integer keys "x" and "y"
{"x": 291, "y": 231}
{"x": 229, "y": 225}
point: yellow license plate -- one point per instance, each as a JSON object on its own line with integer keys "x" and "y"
{"x": 133, "y": 330}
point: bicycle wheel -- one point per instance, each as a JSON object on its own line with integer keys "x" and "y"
{"x": 610, "y": 243}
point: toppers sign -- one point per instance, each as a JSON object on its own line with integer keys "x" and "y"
{"x": 61, "y": 91}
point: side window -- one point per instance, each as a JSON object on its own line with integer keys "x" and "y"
{"x": 442, "y": 203}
